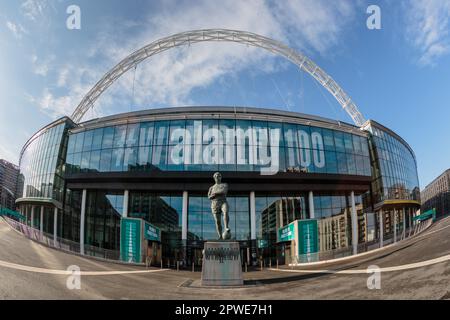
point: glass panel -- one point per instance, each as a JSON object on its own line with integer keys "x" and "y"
{"x": 88, "y": 136}
{"x": 130, "y": 159}
{"x": 348, "y": 142}
{"x": 94, "y": 162}
{"x": 79, "y": 142}
{"x": 97, "y": 139}
{"x": 146, "y": 134}
{"x": 108, "y": 137}
{"x": 161, "y": 133}
{"x": 105, "y": 160}
{"x": 117, "y": 159}
{"x": 339, "y": 141}
{"x": 328, "y": 139}
{"x": 132, "y": 135}
{"x": 119, "y": 136}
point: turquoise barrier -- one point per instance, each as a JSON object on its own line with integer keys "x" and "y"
{"x": 11, "y": 213}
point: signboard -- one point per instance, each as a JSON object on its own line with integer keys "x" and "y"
{"x": 263, "y": 243}
{"x": 426, "y": 215}
{"x": 307, "y": 237}
{"x": 130, "y": 240}
{"x": 286, "y": 233}
{"x": 151, "y": 232}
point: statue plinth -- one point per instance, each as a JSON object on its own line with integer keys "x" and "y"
{"x": 222, "y": 264}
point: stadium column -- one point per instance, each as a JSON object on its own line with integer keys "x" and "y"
{"x": 354, "y": 224}
{"x": 252, "y": 251}
{"x": 184, "y": 216}
{"x": 32, "y": 216}
{"x": 41, "y": 223}
{"x": 252, "y": 215}
{"x": 184, "y": 224}
{"x": 27, "y": 213}
{"x": 82, "y": 218}
{"x": 404, "y": 223}
{"x": 410, "y": 220}
{"x": 126, "y": 195}
{"x": 395, "y": 225}
{"x": 55, "y": 226}
{"x": 381, "y": 218}
{"x": 311, "y": 205}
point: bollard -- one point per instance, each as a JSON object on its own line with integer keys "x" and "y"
{"x": 178, "y": 265}
{"x": 261, "y": 265}
{"x": 270, "y": 264}
{"x": 168, "y": 263}
{"x": 246, "y": 267}
{"x": 277, "y": 263}
{"x": 161, "y": 263}
{"x": 193, "y": 267}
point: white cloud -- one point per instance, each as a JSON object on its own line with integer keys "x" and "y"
{"x": 34, "y": 9}
{"x": 78, "y": 81}
{"x": 315, "y": 24}
{"x": 8, "y": 155}
{"x": 170, "y": 78}
{"x": 42, "y": 67}
{"x": 428, "y": 29}
{"x": 62, "y": 77}
{"x": 16, "y": 28}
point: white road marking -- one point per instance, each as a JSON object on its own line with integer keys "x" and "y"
{"x": 65, "y": 272}
{"x": 386, "y": 269}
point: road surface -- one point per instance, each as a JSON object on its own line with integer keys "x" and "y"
{"x": 29, "y": 270}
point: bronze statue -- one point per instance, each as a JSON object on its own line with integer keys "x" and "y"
{"x": 219, "y": 205}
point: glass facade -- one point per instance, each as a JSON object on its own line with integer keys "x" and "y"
{"x": 217, "y": 145}
{"x": 395, "y": 168}
{"x": 71, "y": 215}
{"x": 104, "y": 209}
{"x": 42, "y": 163}
{"x": 376, "y": 156}
{"x": 331, "y": 210}
{"x": 162, "y": 210}
{"x": 201, "y": 224}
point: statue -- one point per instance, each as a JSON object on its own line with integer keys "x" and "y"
{"x": 219, "y": 205}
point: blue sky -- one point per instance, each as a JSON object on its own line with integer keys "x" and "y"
{"x": 398, "y": 76}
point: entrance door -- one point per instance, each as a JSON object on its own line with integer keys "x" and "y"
{"x": 197, "y": 256}
{"x": 281, "y": 253}
{"x": 245, "y": 255}
{"x": 154, "y": 253}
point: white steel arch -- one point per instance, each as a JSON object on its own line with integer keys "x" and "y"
{"x": 222, "y": 35}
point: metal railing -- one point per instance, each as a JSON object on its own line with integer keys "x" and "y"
{"x": 74, "y": 247}
{"x": 362, "y": 247}
{"x": 60, "y": 243}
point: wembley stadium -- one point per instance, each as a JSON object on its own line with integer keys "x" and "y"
{"x": 134, "y": 186}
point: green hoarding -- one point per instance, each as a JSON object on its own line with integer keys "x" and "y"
{"x": 130, "y": 240}
{"x": 151, "y": 232}
{"x": 286, "y": 233}
{"x": 307, "y": 237}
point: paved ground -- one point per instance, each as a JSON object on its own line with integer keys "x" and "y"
{"x": 29, "y": 270}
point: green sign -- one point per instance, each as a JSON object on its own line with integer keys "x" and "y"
{"x": 130, "y": 240}
{"x": 307, "y": 236}
{"x": 286, "y": 233}
{"x": 426, "y": 215}
{"x": 263, "y": 243}
{"x": 151, "y": 232}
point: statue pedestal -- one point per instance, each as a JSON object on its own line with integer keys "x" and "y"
{"x": 222, "y": 264}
